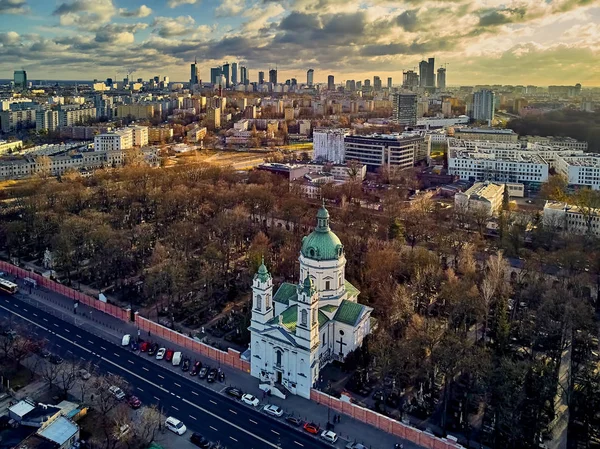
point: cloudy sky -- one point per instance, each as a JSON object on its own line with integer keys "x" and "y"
{"x": 482, "y": 41}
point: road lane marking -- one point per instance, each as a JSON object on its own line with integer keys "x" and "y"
{"x": 252, "y": 421}
{"x": 103, "y": 348}
{"x": 234, "y": 439}
{"x": 131, "y": 361}
{"x": 78, "y": 336}
{"x": 193, "y": 392}
{"x": 55, "y": 325}
{"x": 276, "y": 433}
{"x": 213, "y": 402}
{"x": 45, "y": 321}
{"x": 67, "y": 331}
{"x": 299, "y": 444}
{"x": 173, "y": 407}
{"x": 162, "y": 377}
{"x": 25, "y": 310}
{"x": 233, "y": 411}
{"x": 35, "y": 314}
{"x": 16, "y": 306}
{"x": 144, "y": 368}
{"x": 158, "y": 399}
{"x": 58, "y": 346}
{"x": 194, "y": 418}
{"x": 91, "y": 342}
{"x": 177, "y": 384}
{"x": 140, "y": 389}
{"x": 214, "y": 415}
{"x": 116, "y": 354}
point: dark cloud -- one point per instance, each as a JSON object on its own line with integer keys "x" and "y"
{"x": 413, "y": 48}
{"x": 298, "y": 21}
{"x": 494, "y": 17}
{"x": 326, "y": 29}
{"x": 408, "y": 19}
{"x": 13, "y": 7}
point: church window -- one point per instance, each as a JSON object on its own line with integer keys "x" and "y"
{"x": 314, "y": 317}
{"x": 323, "y": 339}
{"x": 278, "y": 357}
{"x": 327, "y": 285}
{"x": 340, "y": 280}
{"x": 267, "y": 301}
{"x": 304, "y": 318}
{"x": 258, "y": 302}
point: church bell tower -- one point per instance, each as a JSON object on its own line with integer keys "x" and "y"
{"x": 262, "y": 297}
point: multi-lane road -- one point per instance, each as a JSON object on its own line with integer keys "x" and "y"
{"x": 216, "y": 416}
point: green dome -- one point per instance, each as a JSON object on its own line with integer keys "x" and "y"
{"x": 322, "y": 243}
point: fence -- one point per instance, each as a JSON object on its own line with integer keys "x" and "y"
{"x": 382, "y": 422}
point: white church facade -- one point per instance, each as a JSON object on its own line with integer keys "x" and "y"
{"x": 304, "y": 326}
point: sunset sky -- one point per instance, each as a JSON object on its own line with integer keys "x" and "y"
{"x": 483, "y": 41}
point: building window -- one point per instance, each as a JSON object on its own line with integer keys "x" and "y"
{"x": 327, "y": 285}
{"x": 304, "y": 318}
{"x": 258, "y": 302}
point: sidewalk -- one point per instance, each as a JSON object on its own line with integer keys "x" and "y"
{"x": 112, "y": 329}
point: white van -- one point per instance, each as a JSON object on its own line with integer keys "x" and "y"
{"x": 126, "y": 340}
{"x": 174, "y": 425}
{"x": 176, "y": 358}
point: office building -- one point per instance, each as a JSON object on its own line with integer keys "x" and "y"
{"x": 431, "y": 73}
{"x": 482, "y": 196}
{"x": 483, "y": 106}
{"x": 404, "y": 106}
{"x": 579, "y": 169}
{"x": 193, "y": 74}
{"x": 213, "y": 118}
{"x": 377, "y": 83}
{"x": 410, "y": 79}
{"x": 487, "y": 134}
{"x": 46, "y": 119}
{"x": 557, "y": 142}
{"x": 328, "y": 144}
{"x": 261, "y": 77}
{"x": 394, "y": 151}
{"x": 121, "y": 139}
{"x": 234, "y": 73}
{"x": 273, "y": 76}
{"x": 20, "y": 79}
{"x": 423, "y": 74}
{"x": 226, "y": 74}
{"x": 571, "y": 219}
{"x": 350, "y": 85}
{"x": 244, "y": 76}
{"x": 330, "y": 82}
{"x": 310, "y": 73}
{"x": 441, "y": 78}
{"x": 389, "y": 83}
{"x": 358, "y": 85}
{"x": 215, "y": 75}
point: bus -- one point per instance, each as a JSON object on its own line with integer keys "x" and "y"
{"x": 8, "y": 287}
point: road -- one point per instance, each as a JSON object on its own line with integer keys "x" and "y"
{"x": 216, "y": 416}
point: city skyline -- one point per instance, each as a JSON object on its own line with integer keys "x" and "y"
{"x": 526, "y": 42}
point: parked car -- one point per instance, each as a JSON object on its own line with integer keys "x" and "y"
{"x": 356, "y": 446}
{"x": 135, "y": 345}
{"x": 273, "y": 410}
{"x": 196, "y": 369}
{"x": 55, "y": 359}
{"x": 152, "y": 350}
{"x": 212, "y": 375}
{"x": 134, "y": 402}
{"x": 176, "y": 358}
{"x": 176, "y": 426}
{"x": 126, "y": 340}
{"x": 144, "y": 346}
{"x": 169, "y": 355}
{"x": 160, "y": 354}
{"x": 293, "y": 420}
{"x": 83, "y": 373}
{"x": 250, "y": 400}
{"x": 329, "y": 436}
{"x": 185, "y": 366}
{"x": 203, "y": 372}
{"x": 117, "y": 392}
{"x": 200, "y": 441}
{"x": 235, "y": 392}
{"x": 311, "y": 428}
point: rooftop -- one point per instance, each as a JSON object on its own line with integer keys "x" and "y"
{"x": 60, "y": 430}
{"x": 484, "y": 131}
{"x": 484, "y": 190}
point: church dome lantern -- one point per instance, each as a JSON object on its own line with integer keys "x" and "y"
{"x": 322, "y": 243}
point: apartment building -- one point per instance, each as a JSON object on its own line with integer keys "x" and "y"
{"x": 139, "y": 135}
{"x": 5, "y": 146}
{"x": 484, "y": 196}
{"x": 121, "y": 139}
{"x": 70, "y": 115}
{"x": 328, "y": 144}
{"x": 570, "y": 219}
{"x": 489, "y": 134}
{"x": 383, "y": 150}
{"x": 16, "y": 120}
{"x": 159, "y": 134}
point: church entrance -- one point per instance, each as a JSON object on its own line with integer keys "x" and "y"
{"x": 279, "y": 376}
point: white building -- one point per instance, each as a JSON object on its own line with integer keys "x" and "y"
{"x": 10, "y": 146}
{"x": 485, "y": 196}
{"x": 121, "y": 139}
{"x": 139, "y": 136}
{"x": 304, "y": 326}
{"x": 328, "y": 144}
{"x": 560, "y": 142}
{"x": 581, "y": 170}
{"x": 483, "y": 105}
{"x": 436, "y": 122}
{"x": 388, "y": 150}
{"x": 571, "y": 219}
{"x": 75, "y": 114}
{"x": 46, "y": 119}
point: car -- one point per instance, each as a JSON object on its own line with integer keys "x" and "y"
{"x": 55, "y": 359}
{"x": 311, "y": 428}
{"x": 185, "y": 366}
{"x": 293, "y": 420}
{"x": 135, "y": 345}
{"x": 196, "y": 369}
{"x": 203, "y": 372}
{"x": 250, "y": 400}
{"x": 144, "y": 346}
{"x": 160, "y": 354}
{"x": 134, "y": 402}
{"x": 126, "y": 340}
{"x": 176, "y": 358}
{"x": 175, "y": 426}
{"x": 169, "y": 355}
{"x": 235, "y": 392}
{"x": 83, "y": 373}
{"x": 212, "y": 375}
{"x": 117, "y": 392}
{"x": 273, "y": 410}
{"x": 152, "y": 350}
{"x": 356, "y": 446}
{"x": 329, "y": 436}
{"x": 200, "y": 441}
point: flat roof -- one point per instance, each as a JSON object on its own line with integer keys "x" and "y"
{"x": 21, "y": 408}
{"x": 60, "y": 430}
{"x": 484, "y": 130}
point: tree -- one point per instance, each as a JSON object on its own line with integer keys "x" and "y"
{"x": 555, "y": 188}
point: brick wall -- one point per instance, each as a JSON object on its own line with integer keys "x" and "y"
{"x": 383, "y": 422}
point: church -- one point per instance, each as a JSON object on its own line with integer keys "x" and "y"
{"x": 304, "y": 326}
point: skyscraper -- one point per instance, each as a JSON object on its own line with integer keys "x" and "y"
{"x": 389, "y": 82}
{"x": 483, "y": 105}
{"x": 350, "y": 85}
{"x": 410, "y": 79}
{"x": 194, "y": 73}
{"x": 441, "y": 78}
{"x": 243, "y": 75}
{"x": 310, "y": 73}
{"x": 225, "y": 72}
{"x": 234, "y": 73}
{"x": 20, "y": 79}
{"x": 215, "y": 74}
{"x": 261, "y": 77}
{"x": 330, "y": 83}
{"x": 431, "y": 72}
{"x": 376, "y": 83}
{"x": 423, "y": 73}
{"x": 273, "y": 76}
{"x": 405, "y": 108}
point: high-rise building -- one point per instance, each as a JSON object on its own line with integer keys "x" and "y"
{"x": 410, "y": 79}
{"x": 405, "y": 108}
{"x": 234, "y": 73}
{"x": 46, "y": 119}
{"x": 213, "y": 118}
{"x": 226, "y": 74}
{"x": 377, "y": 83}
{"x": 389, "y": 85}
{"x": 20, "y": 78}
{"x": 423, "y": 73}
{"x": 194, "y": 73}
{"x": 358, "y": 85}
{"x": 441, "y": 78}
{"x": 330, "y": 82}
{"x": 350, "y": 85}
{"x": 273, "y": 76}
{"x": 215, "y": 74}
{"x": 244, "y": 75}
{"x": 310, "y": 73}
{"x": 261, "y": 77}
{"x": 483, "y": 105}
{"x": 431, "y": 72}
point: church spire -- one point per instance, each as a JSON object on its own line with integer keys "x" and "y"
{"x": 322, "y": 219}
